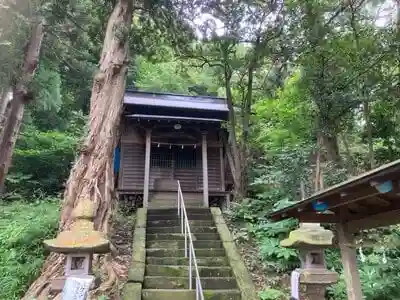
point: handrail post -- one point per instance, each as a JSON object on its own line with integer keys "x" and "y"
{"x": 190, "y": 269}
{"x": 186, "y": 242}
{"x": 179, "y": 203}
{"x": 185, "y": 229}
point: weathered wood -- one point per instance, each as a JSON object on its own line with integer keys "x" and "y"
{"x": 147, "y": 169}
{"x": 379, "y": 220}
{"x": 318, "y": 218}
{"x": 205, "y": 169}
{"x": 349, "y": 260}
{"x": 222, "y": 165}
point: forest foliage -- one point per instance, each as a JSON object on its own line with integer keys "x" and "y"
{"x": 301, "y": 77}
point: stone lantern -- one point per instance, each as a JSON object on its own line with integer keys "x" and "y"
{"x": 311, "y": 240}
{"x": 79, "y": 243}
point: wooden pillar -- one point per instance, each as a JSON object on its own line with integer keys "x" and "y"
{"x": 349, "y": 260}
{"x": 147, "y": 169}
{"x": 222, "y": 162}
{"x": 205, "y": 169}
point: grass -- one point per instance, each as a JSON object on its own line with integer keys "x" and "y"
{"x": 23, "y": 227}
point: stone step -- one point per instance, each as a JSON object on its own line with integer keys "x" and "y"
{"x": 177, "y": 222}
{"x": 181, "y": 237}
{"x": 195, "y": 216}
{"x": 177, "y": 229}
{"x": 189, "y": 204}
{"x": 172, "y": 206}
{"x": 183, "y": 271}
{"x": 181, "y": 252}
{"x": 180, "y": 244}
{"x": 181, "y": 260}
{"x": 163, "y": 294}
{"x": 174, "y": 211}
{"x": 207, "y": 283}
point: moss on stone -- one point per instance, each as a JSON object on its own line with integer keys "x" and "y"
{"x": 222, "y": 228}
{"x": 141, "y": 218}
{"x": 309, "y": 235}
{"x": 136, "y": 272}
{"x": 242, "y": 275}
{"x": 139, "y": 251}
{"x": 225, "y": 295}
{"x": 139, "y": 235}
{"x": 169, "y": 271}
{"x": 180, "y": 252}
{"x": 165, "y": 244}
{"x": 132, "y": 291}
{"x": 190, "y": 295}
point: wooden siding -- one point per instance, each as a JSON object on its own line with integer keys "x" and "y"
{"x": 131, "y": 175}
{"x": 132, "y": 166}
{"x": 214, "y": 169}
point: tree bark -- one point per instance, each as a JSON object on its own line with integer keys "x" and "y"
{"x": 92, "y": 176}
{"x": 5, "y": 105}
{"x": 14, "y": 110}
{"x": 235, "y": 160}
{"x": 371, "y": 158}
{"x": 332, "y": 148}
{"x": 351, "y": 166}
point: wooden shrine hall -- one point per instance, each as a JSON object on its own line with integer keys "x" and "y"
{"x": 169, "y": 137}
{"x": 368, "y": 201}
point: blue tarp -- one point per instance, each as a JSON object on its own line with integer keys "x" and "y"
{"x": 117, "y": 160}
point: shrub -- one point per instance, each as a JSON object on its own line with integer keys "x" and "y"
{"x": 41, "y": 161}
{"x": 23, "y": 227}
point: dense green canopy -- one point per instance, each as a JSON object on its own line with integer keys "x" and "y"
{"x": 309, "y": 83}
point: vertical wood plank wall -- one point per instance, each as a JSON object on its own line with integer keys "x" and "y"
{"x": 133, "y": 158}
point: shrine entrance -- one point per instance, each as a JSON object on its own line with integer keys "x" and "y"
{"x": 174, "y": 162}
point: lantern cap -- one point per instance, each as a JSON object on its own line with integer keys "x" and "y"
{"x": 81, "y": 237}
{"x": 309, "y": 235}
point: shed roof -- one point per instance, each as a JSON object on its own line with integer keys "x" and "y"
{"x": 356, "y": 201}
{"x": 207, "y": 103}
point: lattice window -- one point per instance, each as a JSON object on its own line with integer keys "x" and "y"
{"x": 161, "y": 157}
{"x": 185, "y": 158}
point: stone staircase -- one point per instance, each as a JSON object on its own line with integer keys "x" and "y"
{"x": 166, "y": 268}
{"x": 167, "y": 199}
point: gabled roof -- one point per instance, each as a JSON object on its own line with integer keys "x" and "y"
{"x": 168, "y": 100}
{"x": 357, "y": 200}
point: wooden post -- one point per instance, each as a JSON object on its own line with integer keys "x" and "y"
{"x": 349, "y": 260}
{"x": 147, "y": 169}
{"x": 205, "y": 168}
{"x": 222, "y": 162}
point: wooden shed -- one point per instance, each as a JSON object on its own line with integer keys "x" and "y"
{"x": 166, "y": 138}
{"x": 367, "y": 201}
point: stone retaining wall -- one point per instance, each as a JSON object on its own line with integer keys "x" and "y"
{"x": 133, "y": 287}
{"x": 240, "y": 271}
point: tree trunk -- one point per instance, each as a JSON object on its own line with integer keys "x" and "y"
{"x": 5, "y": 106}
{"x": 5, "y": 98}
{"x": 371, "y": 159}
{"x": 92, "y": 176}
{"x": 14, "y": 110}
{"x": 351, "y": 166}
{"x": 332, "y": 148}
{"x": 235, "y": 160}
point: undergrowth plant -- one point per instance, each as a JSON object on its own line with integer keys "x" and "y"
{"x": 23, "y": 227}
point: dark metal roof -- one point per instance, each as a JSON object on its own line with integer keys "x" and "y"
{"x": 208, "y": 103}
{"x": 345, "y": 194}
{"x": 173, "y": 118}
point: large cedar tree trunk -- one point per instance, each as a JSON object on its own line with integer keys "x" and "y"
{"x": 92, "y": 176}
{"x": 12, "y": 110}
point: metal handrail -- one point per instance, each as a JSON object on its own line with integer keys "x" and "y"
{"x": 185, "y": 229}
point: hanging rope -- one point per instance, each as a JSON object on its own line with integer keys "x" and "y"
{"x": 182, "y": 145}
